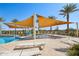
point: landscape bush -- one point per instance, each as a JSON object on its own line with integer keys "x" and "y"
{"x": 74, "y": 50}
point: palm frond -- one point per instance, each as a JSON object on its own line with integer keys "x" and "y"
{"x": 63, "y": 14}
{"x": 75, "y": 10}
{"x": 69, "y": 8}
{"x": 62, "y": 10}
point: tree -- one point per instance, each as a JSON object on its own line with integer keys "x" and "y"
{"x": 51, "y": 17}
{"x": 14, "y": 20}
{"x": 67, "y": 10}
{"x": 1, "y": 20}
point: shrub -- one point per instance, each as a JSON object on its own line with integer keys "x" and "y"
{"x": 72, "y": 33}
{"x": 74, "y": 50}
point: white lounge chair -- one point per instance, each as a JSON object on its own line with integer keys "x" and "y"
{"x": 30, "y": 52}
{"x": 29, "y": 45}
{"x": 23, "y": 37}
{"x": 26, "y": 52}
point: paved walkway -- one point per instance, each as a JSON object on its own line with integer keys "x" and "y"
{"x": 55, "y": 46}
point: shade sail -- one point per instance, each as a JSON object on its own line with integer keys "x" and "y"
{"x": 13, "y": 25}
{"x": 27, "y": 22}
{"x": 42, "y": 22}
{"x": 21, "y": 24}
{"x": 47, "y": 22}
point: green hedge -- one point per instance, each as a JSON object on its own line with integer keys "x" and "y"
{"x": 74, "y": 50}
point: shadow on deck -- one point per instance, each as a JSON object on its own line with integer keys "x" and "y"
{"x": 61, "y": 49}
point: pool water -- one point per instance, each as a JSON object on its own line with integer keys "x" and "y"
{"x": 7, "y": 39}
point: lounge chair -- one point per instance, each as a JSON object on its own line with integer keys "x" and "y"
{"x": 29, "y": 45}
{"x": 27, "y": 52}
{"x": 30, "y": 52}
{"x": 23, "y": 37}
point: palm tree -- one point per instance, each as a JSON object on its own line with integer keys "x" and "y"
{"x": 67, "y": 10}
{"x": 51, "y": 17}
{"x": 1, "y": 20}
{"x": 14, "y": 20}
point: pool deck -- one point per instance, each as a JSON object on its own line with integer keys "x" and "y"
{"x": 55, "y": 46}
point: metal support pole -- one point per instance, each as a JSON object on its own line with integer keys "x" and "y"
{"x": 15, "y": 30}
{"x": 0, "y": 31}
{"x": 77, "y": 29}
{"x": 25, "y": 32}
{"x": 34, "y": 30}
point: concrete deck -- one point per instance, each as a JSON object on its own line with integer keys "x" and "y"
{"x": 55, "y": 46}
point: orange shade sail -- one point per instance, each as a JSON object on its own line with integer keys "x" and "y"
{"x": 22, "y": 24}
{"x": 26, "y": 23}
{"x": 13, "y": 25}
{"x": 47, "y": 22}
{"x": 42, "y": 22}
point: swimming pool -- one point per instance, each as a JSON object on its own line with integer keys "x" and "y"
{"x": 7, "y": 39}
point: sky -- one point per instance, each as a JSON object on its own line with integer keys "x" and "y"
{"x": 21, "y": 11}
